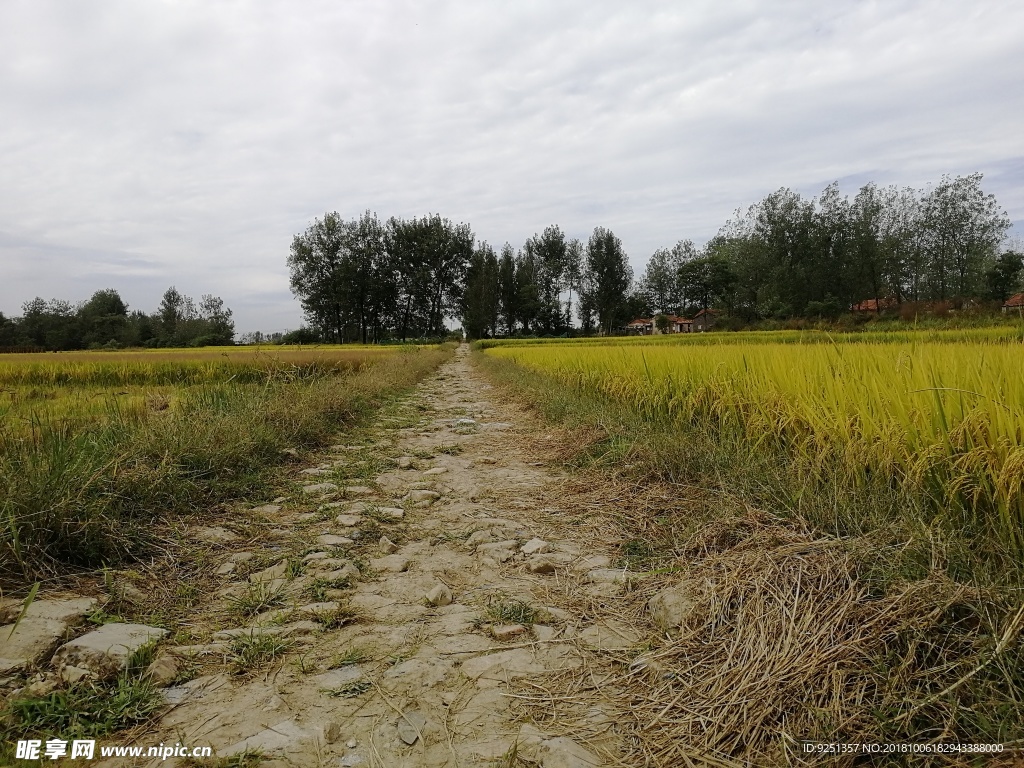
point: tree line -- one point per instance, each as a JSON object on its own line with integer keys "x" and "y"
{"x": 368, "y": 281}
{"x": 104, "y": 322}
{"x": 786, "y": 256}
{"x": 363, "y": 280}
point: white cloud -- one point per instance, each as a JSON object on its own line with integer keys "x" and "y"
{"x": 186, "y": 142}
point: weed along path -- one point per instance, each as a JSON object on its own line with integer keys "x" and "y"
{"x": 413, "y": 602}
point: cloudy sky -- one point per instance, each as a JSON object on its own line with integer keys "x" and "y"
{"x": 146, "y": 143}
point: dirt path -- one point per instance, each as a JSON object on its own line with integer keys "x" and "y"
{"x": 380, "y": 669}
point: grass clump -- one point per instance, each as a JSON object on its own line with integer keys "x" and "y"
{"x": 256, "y": 598}
{"x": 247, "y": 759}
{"x": 348, "y": 690}
{"x": 348, "y": 658}
{"x": 316, "y": 590}
{"x": 508, "y": 611}
{"x": 253, "y": 651}
{"x": 340, "y": 617}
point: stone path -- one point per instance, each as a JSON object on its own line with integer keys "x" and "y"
{"x": 418, "y": 602}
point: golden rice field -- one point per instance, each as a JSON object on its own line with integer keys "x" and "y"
{"x": 940, "y": 417}
{"x": 79, "y": 387}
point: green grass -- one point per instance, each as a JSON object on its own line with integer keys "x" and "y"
{"x": 247, "y": 759}
{"x": 342, "y": 616}
{"x": 348, "y": 690}
{"x": 254, "y": 651}
{"x": 316, "y": 590}
{"x": 509, "y": 611}
{"x": 84, "y": 710}
{"x": 348, "y": 658}
{"x": 256, "y": 598}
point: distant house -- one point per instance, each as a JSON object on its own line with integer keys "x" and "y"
{"x": 1014, "y": 304}
{"x": 642, "y": 326}
{"x": 873, "y": 305}
{"x": 677, "y": 324}
{"x": 704, "y": 320}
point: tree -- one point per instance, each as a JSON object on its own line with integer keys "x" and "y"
{"x": 430, "y": 257}
{"x": 172, "y": 313}
{"x": 832, "y": 268}
{"x": 706, "y": 279}
{"x": 104, "y": 319}
{"x": 480, "y": 301}
{"x": 963, "y": 228}
{"x": 508, "y": 292}
{"x": 1003, "y": 277}
{"x": 660, "y": 281}
{"x": 608, "y": 279}
{"x": 549, "y": 263}
{"x": 573, "y": 273}
{"x": 317, "y": 274}
{"x": 8, "y": 332}
{"x": 528, "y": 300}
{"x": 370, "y": 287}
{"x": 221, "y": 328}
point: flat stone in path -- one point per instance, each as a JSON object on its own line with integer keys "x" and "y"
{"x": 214, "y": 535}
{"x": 440, "y": 595}
{"x": 592, "y": 562}
{"x": 267, "y": 509}
{"x": 535, "y": 547}
{"x": 359, "y": 490}
{"x": 32, "y": 642}
{"x": 609, "y": 576}
{"x": 276, "y": 738}
{"x": 104, "y": 652}
{"x": 321, "y": 488}
{"x": 267, "y": 575}
{"x": 68, "y": 610}
{"x": 540, "y": 564}
{"x": 42, "y": 628}
{"x": 390, "y": 564}
{"x": 538, "y": 748}
{"x": 423, "y": 495}
{"x": 610, "y": 636}
{"x": 348, "y": 520}
{"x": 294, "y": 629}
{"x": 673, "y": 606}
{"x": 410, "y": 726}
{"x": 479, "y": 537}
{"x": 332, "y": 540}
{"x": 504, "y": 632}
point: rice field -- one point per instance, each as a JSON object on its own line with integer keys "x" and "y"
{"x": 938, "y": 415}
{"x": 77, "y": 388}
{"x": 97, "y": 448}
